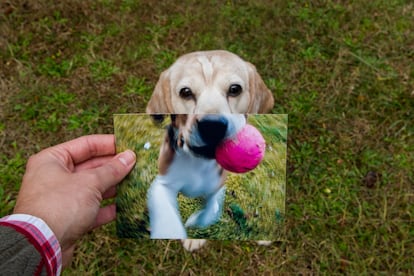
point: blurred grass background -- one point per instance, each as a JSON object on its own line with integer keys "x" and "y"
{"x": 342, "y": 70}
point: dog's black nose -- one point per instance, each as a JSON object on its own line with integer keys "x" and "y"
{"x": 212, "y": 129}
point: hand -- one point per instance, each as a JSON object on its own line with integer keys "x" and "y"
{"x": 65, "y": 184}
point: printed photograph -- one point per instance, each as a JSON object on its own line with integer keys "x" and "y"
{"x": 210, "y": 176}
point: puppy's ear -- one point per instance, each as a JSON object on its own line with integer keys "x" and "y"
{"x": 157, "y": 118}
{"x": 262, "y": 100}
{"x": 160, "y": 101}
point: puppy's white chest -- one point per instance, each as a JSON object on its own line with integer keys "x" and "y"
{"x": 192, "y": 176}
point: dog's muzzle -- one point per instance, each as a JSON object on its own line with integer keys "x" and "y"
{"x": 210, "y": 131}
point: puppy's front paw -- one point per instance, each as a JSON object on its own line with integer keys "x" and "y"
{"x": 194, "y": 220}
{"x": 193, "y": 244}
{"x": 264, "y": 243}
{"x": 202, "y": 218}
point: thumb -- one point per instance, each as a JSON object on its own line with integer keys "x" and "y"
{"x": 115, "y": 170}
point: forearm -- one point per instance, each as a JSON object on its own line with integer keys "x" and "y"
{"x": 28, "y": 247}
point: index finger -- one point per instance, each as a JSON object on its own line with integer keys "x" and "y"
{"x": 86, "y": 147}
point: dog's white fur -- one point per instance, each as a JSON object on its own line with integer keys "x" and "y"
{"x": 193, "y": 176}
{"x": 208, "y": 75}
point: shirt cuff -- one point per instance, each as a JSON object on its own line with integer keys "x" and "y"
{"x": 41, "y": 236}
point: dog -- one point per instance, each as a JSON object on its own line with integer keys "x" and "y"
{"x": 210, "y": 82}
{"x": 187, "y": 165}
{"x": 199, "y": 83}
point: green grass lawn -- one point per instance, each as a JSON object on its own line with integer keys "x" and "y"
{"x": 342, "y": 70}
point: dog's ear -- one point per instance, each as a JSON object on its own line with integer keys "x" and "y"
{"x": 262, "y": 100}
{"x": 157, "y": 118}
{"x": 160, "y": 101}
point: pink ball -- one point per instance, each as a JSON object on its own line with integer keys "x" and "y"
{"x": 242, "y": 153}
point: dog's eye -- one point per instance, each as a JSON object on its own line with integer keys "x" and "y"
{"x": 234, "y": 90}
{"x": 186, "y": 93}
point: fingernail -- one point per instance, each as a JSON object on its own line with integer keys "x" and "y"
{"x": 127, "y": 157}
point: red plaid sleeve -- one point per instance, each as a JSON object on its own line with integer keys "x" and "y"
{"x": 40, "y": 236}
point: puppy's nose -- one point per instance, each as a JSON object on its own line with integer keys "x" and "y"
{"x": 212, "y": 129}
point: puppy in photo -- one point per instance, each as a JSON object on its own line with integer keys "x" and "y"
{"x": 187, "y": 166}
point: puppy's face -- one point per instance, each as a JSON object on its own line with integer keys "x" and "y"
{"x": 201, "y": 134}
{"x": 210, "y": 82}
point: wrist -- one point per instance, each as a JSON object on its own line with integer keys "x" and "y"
{"x": 45, "y": 215}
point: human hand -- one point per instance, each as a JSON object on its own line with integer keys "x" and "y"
{"x": 65, "y": 184}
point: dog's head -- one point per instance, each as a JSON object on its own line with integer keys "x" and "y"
{"x": 210, "y": 82}
{"x": 200, "y": 135}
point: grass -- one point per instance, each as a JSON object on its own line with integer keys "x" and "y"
{"x": 343, "y": 71}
